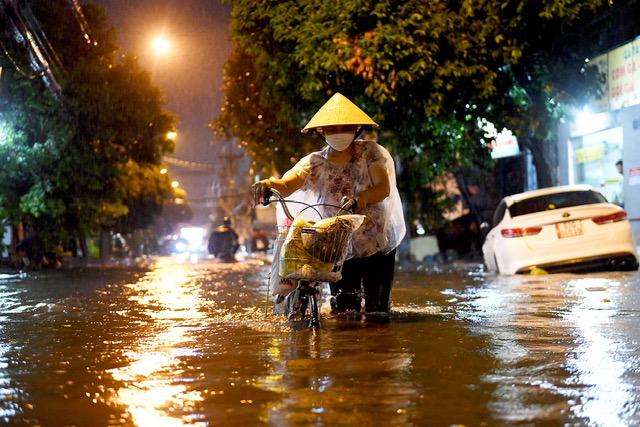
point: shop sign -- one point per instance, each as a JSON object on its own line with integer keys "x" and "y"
{"x": 634, "y": 176}
{"x": 624, "y": 76}
{"x": 504, "y": 145}
{"x": 589, "y": 154}
{"x": 622, "y": 66}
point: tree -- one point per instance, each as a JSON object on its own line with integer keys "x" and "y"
{"x": 88, "y": 160}
{"x": 428, "y": 72}
{"x": 270, "y": 135}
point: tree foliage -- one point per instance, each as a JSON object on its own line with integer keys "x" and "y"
{"x": 86, "y": 159}
{"x": 427, "y": 71}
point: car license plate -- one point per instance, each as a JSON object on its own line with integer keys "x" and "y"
{"x": 569, "y": 229}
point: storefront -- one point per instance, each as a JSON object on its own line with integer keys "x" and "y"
{"x": 602, "y": 147}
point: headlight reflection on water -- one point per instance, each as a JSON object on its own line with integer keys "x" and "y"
{"x": 173, "y": 306}
{"x": 7, "y": 392}
{"x": 9, "y": 303}
{"x": 559, "y": 340}
{"x": 601, "y": 360}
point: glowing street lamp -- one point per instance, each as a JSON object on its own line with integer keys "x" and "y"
{"x": 161, "y": 45}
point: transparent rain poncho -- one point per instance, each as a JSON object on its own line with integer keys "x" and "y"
{"x": 326, "y": 182}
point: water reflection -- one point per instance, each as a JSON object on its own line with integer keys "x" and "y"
{"x": 601, "y": 363}
{"x": 172, "y": 309}
{"x": 562, "y": 346}
{"x": 9, "y": 303}
{"x": 322, "y": 383}
{"x": 190, "y": 344}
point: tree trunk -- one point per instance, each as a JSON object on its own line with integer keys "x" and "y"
{"x": 540, "y": 151}
{"x": 539, "y": 128}
{"x": 105, "y": 247}
{"x": 84, "y": 248}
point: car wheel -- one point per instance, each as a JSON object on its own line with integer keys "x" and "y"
{"x": 495, "y": 260}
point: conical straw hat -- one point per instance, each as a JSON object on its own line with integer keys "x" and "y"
{"x": 339, "y": 110}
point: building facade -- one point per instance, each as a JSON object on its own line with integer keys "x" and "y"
{"x": 601, "y": 146}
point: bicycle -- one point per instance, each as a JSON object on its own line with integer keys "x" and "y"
{"x": 309, "y": 254}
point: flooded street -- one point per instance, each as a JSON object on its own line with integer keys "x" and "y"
{"x": 189, "y": 344}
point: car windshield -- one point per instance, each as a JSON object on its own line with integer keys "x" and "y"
{"x": 555, "y": 201}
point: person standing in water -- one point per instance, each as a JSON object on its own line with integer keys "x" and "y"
{"x": 357, "y": 169}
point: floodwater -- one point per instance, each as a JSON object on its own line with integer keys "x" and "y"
{"x": 190, "y": 344}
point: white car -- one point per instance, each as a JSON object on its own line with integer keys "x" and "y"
{"x": 559, "y": 229}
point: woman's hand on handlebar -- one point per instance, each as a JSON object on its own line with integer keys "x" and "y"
{"x": 349, "y": 204}
{"x": 361, "y": 203}
{"x": 355, "y": 205}
{"x": 261, "y": 192}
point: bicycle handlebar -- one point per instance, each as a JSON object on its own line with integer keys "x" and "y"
{"x": 267, "y": 201}
{"x": 348, "y": 204}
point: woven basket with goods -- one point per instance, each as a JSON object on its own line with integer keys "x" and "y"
{"x": 316, "y": 251}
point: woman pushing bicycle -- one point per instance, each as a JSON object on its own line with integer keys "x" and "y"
{"x": 357, "y": 169}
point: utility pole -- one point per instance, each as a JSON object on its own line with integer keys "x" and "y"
{"x": 229, "y": 193}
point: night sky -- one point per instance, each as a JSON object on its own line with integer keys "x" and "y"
{"x": 190, "y": 75}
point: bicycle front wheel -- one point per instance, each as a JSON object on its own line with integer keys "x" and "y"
{"x": 314, "y": 314}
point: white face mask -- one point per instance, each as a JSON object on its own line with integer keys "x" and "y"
{"x": 340, "y": 141}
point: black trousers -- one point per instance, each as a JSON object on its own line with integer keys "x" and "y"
{"x": 373, "y": 274}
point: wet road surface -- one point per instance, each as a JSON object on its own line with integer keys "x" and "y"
{"x": 189, "y": 344}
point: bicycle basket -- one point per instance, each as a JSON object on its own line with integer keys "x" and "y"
{"x": 312, "y": 253}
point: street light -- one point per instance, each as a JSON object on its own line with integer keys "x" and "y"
{"x": 161, "y": 45}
